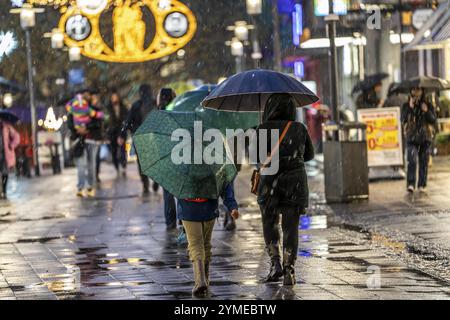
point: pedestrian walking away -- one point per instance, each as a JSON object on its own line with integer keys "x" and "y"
{"x": 198, "y": 216}
{"x": 84, "y": 123}
{"x": 136, "y": 116}
{"x": 284, "y": 193}
{"x": 117, "y": 115}
{"x": 418, "y": 120}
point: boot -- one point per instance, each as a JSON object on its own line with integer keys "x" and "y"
{"x": 276, "y": 271}
{"x": 289, "y": 259}
{"x": 200, "y": 289}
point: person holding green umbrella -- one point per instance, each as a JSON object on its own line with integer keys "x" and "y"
{"x": 196, "y": 184}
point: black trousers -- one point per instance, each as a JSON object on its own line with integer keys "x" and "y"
{"x": 289, "y": 225}
{"x": 118, "y": 154}
{"x": 418, "y": 154}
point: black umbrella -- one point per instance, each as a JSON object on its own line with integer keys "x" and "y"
{"x": 369, "y": 82}
{"x": 248, "y": 91}
{"x": 424, "y": 82}
{"x": 7, "y": 116}
{"x": 11, "y": 85}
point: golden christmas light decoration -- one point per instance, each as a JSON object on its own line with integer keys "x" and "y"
{"x": 175, "y": 26}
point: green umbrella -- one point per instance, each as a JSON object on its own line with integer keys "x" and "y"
{"x": 191, "y": 101}
{"x": 154, "y": 147}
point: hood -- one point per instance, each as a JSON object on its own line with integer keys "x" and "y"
{"x": 280, "y": 106}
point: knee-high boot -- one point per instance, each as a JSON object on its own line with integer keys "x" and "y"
{"x": 201, "y": 285}
{"x": 289, "y": 259}
{"x": 276, "y": 271}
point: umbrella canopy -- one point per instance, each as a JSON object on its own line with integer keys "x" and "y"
{"x": 191, "y": 102}
{"x": 8, "y": 116}
{"x": 250, "y": 90}
{"x": 154, "y": 146}
{"x": 10, "y": 85}
{"x": 369, "y": 82}
{"x": 424, "y": 82}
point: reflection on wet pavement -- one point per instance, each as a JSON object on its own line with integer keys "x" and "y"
{"x": 116, "y": 247}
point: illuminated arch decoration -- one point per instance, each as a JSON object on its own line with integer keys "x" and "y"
{"x": 175, "y": 26}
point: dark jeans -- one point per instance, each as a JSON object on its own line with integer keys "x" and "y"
{"x": 145, "y": 180}
{"x": 170, "y": 211}
{"x": 418, "y": 154}
{"x": 289, "y": 225}
{"x": 118, "y": 154}
{"x": 98, "y": 163}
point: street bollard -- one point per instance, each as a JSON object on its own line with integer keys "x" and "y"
{"x": 346, "y": 168}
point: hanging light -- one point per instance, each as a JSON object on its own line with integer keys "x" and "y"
{"x": 241, "y": 30}
{"x": 27, "y": 15}
{"x": 8, "y": 100}
{"x": 57, "y": 38}
{"x": 237, "y": 47}
{"x": 254, "y": 7}
{"x": 74, "y": 54}
{"x": 51, "y": 122}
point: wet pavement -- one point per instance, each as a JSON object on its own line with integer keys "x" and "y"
{"x": 417, "y": 223}
{"x": 55, "y": 246}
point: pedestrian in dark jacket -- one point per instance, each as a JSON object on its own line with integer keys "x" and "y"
{"x": 418, "y": 119}
{"x": 198, "y": 216}
{"x": 136, "y": 116}
{"x": 117, "y": 112}
{"x": 284, "y": 193}
{"x": 97, "y": 129}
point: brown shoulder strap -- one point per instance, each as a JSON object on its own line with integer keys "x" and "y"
{"x": 277, "y": 146}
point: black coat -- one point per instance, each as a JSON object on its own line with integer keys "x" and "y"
{"x": 289, "y": 186}
{"x": 137, "y": 114}
{"x": 116, "y": 121}
{"x": 418, "y": 126}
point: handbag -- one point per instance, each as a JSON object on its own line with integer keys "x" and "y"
{"x": 76, "y": 149}
{"x": 256, "y": 176}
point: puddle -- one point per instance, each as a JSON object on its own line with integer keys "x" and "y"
{"x": 308, "y": 222}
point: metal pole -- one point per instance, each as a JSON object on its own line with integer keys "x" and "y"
{"x": 276, "y": 36}
{"x": 34, "y": 140}
{"x": 331, "y": 22}
{"x": 238, "y": 60}
{"x": 400, "y": 18}
{"x": 255, "y": 42}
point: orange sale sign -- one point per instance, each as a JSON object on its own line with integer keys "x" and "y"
{"x": 384, "y": 136}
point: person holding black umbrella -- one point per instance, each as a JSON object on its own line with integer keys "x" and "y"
{"x": 284, "y": 193}
{"x": 418, "y": 119}
{"x": 9, "y": 141}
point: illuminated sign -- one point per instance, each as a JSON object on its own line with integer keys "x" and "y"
{"x": 321, "y": 7}
{"x": 175, "y": 26}
{"x": 299, "y": 69}
{"x": 297, "y": 24}
{"x": 92, "y": 6}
